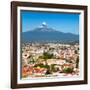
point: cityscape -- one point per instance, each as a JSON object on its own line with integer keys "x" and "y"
{"x": 47, "y": 57}
{"x": 49, "y": 45}
{"x": 49, "y": 60}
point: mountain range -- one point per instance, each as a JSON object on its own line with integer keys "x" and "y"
{"x": 45, "y": 34}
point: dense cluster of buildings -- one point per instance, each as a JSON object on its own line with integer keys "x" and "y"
{"x": 64, "y": 56}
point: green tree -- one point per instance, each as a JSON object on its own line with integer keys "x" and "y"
{"x": 46, "y": 56}
{"x": 31, "y": 60}
{"x": 77, "y": 62}
{"x": 68, "y": 70}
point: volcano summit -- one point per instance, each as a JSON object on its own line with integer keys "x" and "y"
{"x": 46, "y": 34}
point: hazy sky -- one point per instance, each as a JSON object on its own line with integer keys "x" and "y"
{"x": 59, "y": 21}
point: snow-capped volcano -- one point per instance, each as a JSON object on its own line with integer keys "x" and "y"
{"x": 43, "y": 27}
{"x": 44, "y": 33}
